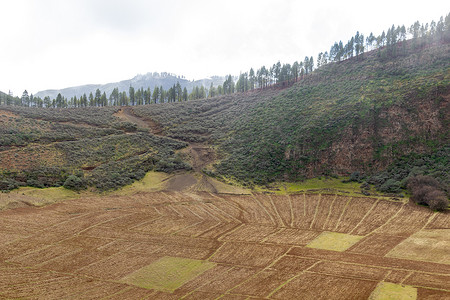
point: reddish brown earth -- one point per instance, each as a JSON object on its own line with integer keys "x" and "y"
{"x": 81, "y": 249}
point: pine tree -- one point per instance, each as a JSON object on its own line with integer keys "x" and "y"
{"x": 25, "y": 100}
{"x": 132, "y": 95}
{"x": 98, "y": 96}
{"x": 252, "y": 79}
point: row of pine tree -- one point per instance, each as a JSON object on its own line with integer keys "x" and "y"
{"x": 390, "y": 43}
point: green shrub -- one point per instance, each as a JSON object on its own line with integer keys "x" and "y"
{"x": 390, "y": 186}
{"x": 74, "y": 183}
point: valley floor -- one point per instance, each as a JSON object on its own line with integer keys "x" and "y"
{"x": 201, "y": 245}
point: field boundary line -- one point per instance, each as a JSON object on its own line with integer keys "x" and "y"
{"x": 184, "y": 228}
{"x": 290, "y": 279}
{"x": 265, "y": 210}
{"x": 304, "y": 205}
{"x": 369, "y": 265}
{"x": 230, "y": 231}
{"x": 132, "y": 228}
{"x": 342, "y": 276}
{"x": 215, "y": 251}
{"x": 402, "y": 207}
{"x": 160, "y": 213}
{"x": 259, "y": 272}
{"x": 98, "y": 224}
{"x": 208, "y": 281}
{"x": 406, "y": 277}
{"x": 194, "y": 213}
{"x": 169, "y": 197}
{"x": 224, "y": 212}
{"x": 342, "y": 213}
{"x": 201, "y": 205}
{"x": 365, "y": 216}
{"x": 389, "y": 272}
{"x": 209, "y": 228}
{"x": 431, "y": 218}
{"x": 273, "y": 233}
{"x": 232, "y": 203}
{"x": 292, "y": 210}
{"x": 276, "y": 211}
{"x": 430, "y": 288}
{"x": 177, "y": 212}
{"x": 329, "y": 212}
{"x": 316, "y": 212}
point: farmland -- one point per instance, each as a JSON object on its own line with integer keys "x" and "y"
{"x": 201, "y": 245}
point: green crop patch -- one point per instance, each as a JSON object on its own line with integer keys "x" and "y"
{"x": 168, "y": 273}
{"x": 388, "y": 290}
{"x": 334, "y": 241}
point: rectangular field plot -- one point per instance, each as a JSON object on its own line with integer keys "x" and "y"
{"x": 379, "y": 215}
{"x": 167, "y": 273}
{"x": 349, "y": 270}
{"x": 218, "y": 231}
{"x": 372, "y": 260}
{"x": 387, "y": 290}
{"x": 131, "y": 220}
{"x": 262, "y": 283}
{"x": 409, "y": 220}
{"x": 377, "y": 244}
{"x": 440, "y": 221}
{"x": 354, "y": 214}
{"x": 323, "y": 209}
{"x": 244, "y": 254}
{"x": 293, "y": 265}
{"x": 228, "y": 280}
{"x": 199, "y": 228}
{"x": 292, "y": 236}
{"x": 429, "y": 280}
{"x": 283, "y": 206}
{"x": 252, "y": 211}
{"x": 166, "y": 225}
{"x": 334, "y": 241}
{"x": 268, "y": 205}
{"x": 304, "y": 209}
{"x": 249, "y": 233}
{"x": 432, "y": 294}
{"x": 321, "y": 287}
{"x": 337, "y": 208}
{"x": 117, "y": 266}
{"x": 427, "y": 245}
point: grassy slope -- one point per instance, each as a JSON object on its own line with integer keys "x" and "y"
{"x": 305, "y": 130}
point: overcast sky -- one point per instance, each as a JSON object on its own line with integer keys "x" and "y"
{"x": 52, "y": 44}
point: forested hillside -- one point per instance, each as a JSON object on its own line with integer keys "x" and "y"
{"x": 380, "y": 116}
{"x": 358, "y": 115}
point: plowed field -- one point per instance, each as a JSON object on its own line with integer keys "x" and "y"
{"x": 199, "y": 245}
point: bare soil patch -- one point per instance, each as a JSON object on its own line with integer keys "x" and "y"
{"x": 85, "y": 247}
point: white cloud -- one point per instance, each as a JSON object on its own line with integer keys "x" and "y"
{"x": 60, "y": 43}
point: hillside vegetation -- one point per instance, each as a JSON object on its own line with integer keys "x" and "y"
{"x": 378, "y": 117}
{"x": 357, "y": 115}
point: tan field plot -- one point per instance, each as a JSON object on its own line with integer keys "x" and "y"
{"x": 201, "y": 245}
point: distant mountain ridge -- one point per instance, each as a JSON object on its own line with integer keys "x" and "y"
{"x": 149, "y": 80}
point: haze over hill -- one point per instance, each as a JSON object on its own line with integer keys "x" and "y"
{"x": 149, "y": 80}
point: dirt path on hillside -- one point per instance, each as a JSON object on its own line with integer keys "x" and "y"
{"x": 127, "y": 115}
{"x": 199, "y": 155}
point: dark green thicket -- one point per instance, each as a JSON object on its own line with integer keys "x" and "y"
{"x": 427, "y": 190}
{"x": 435, "y": 165}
